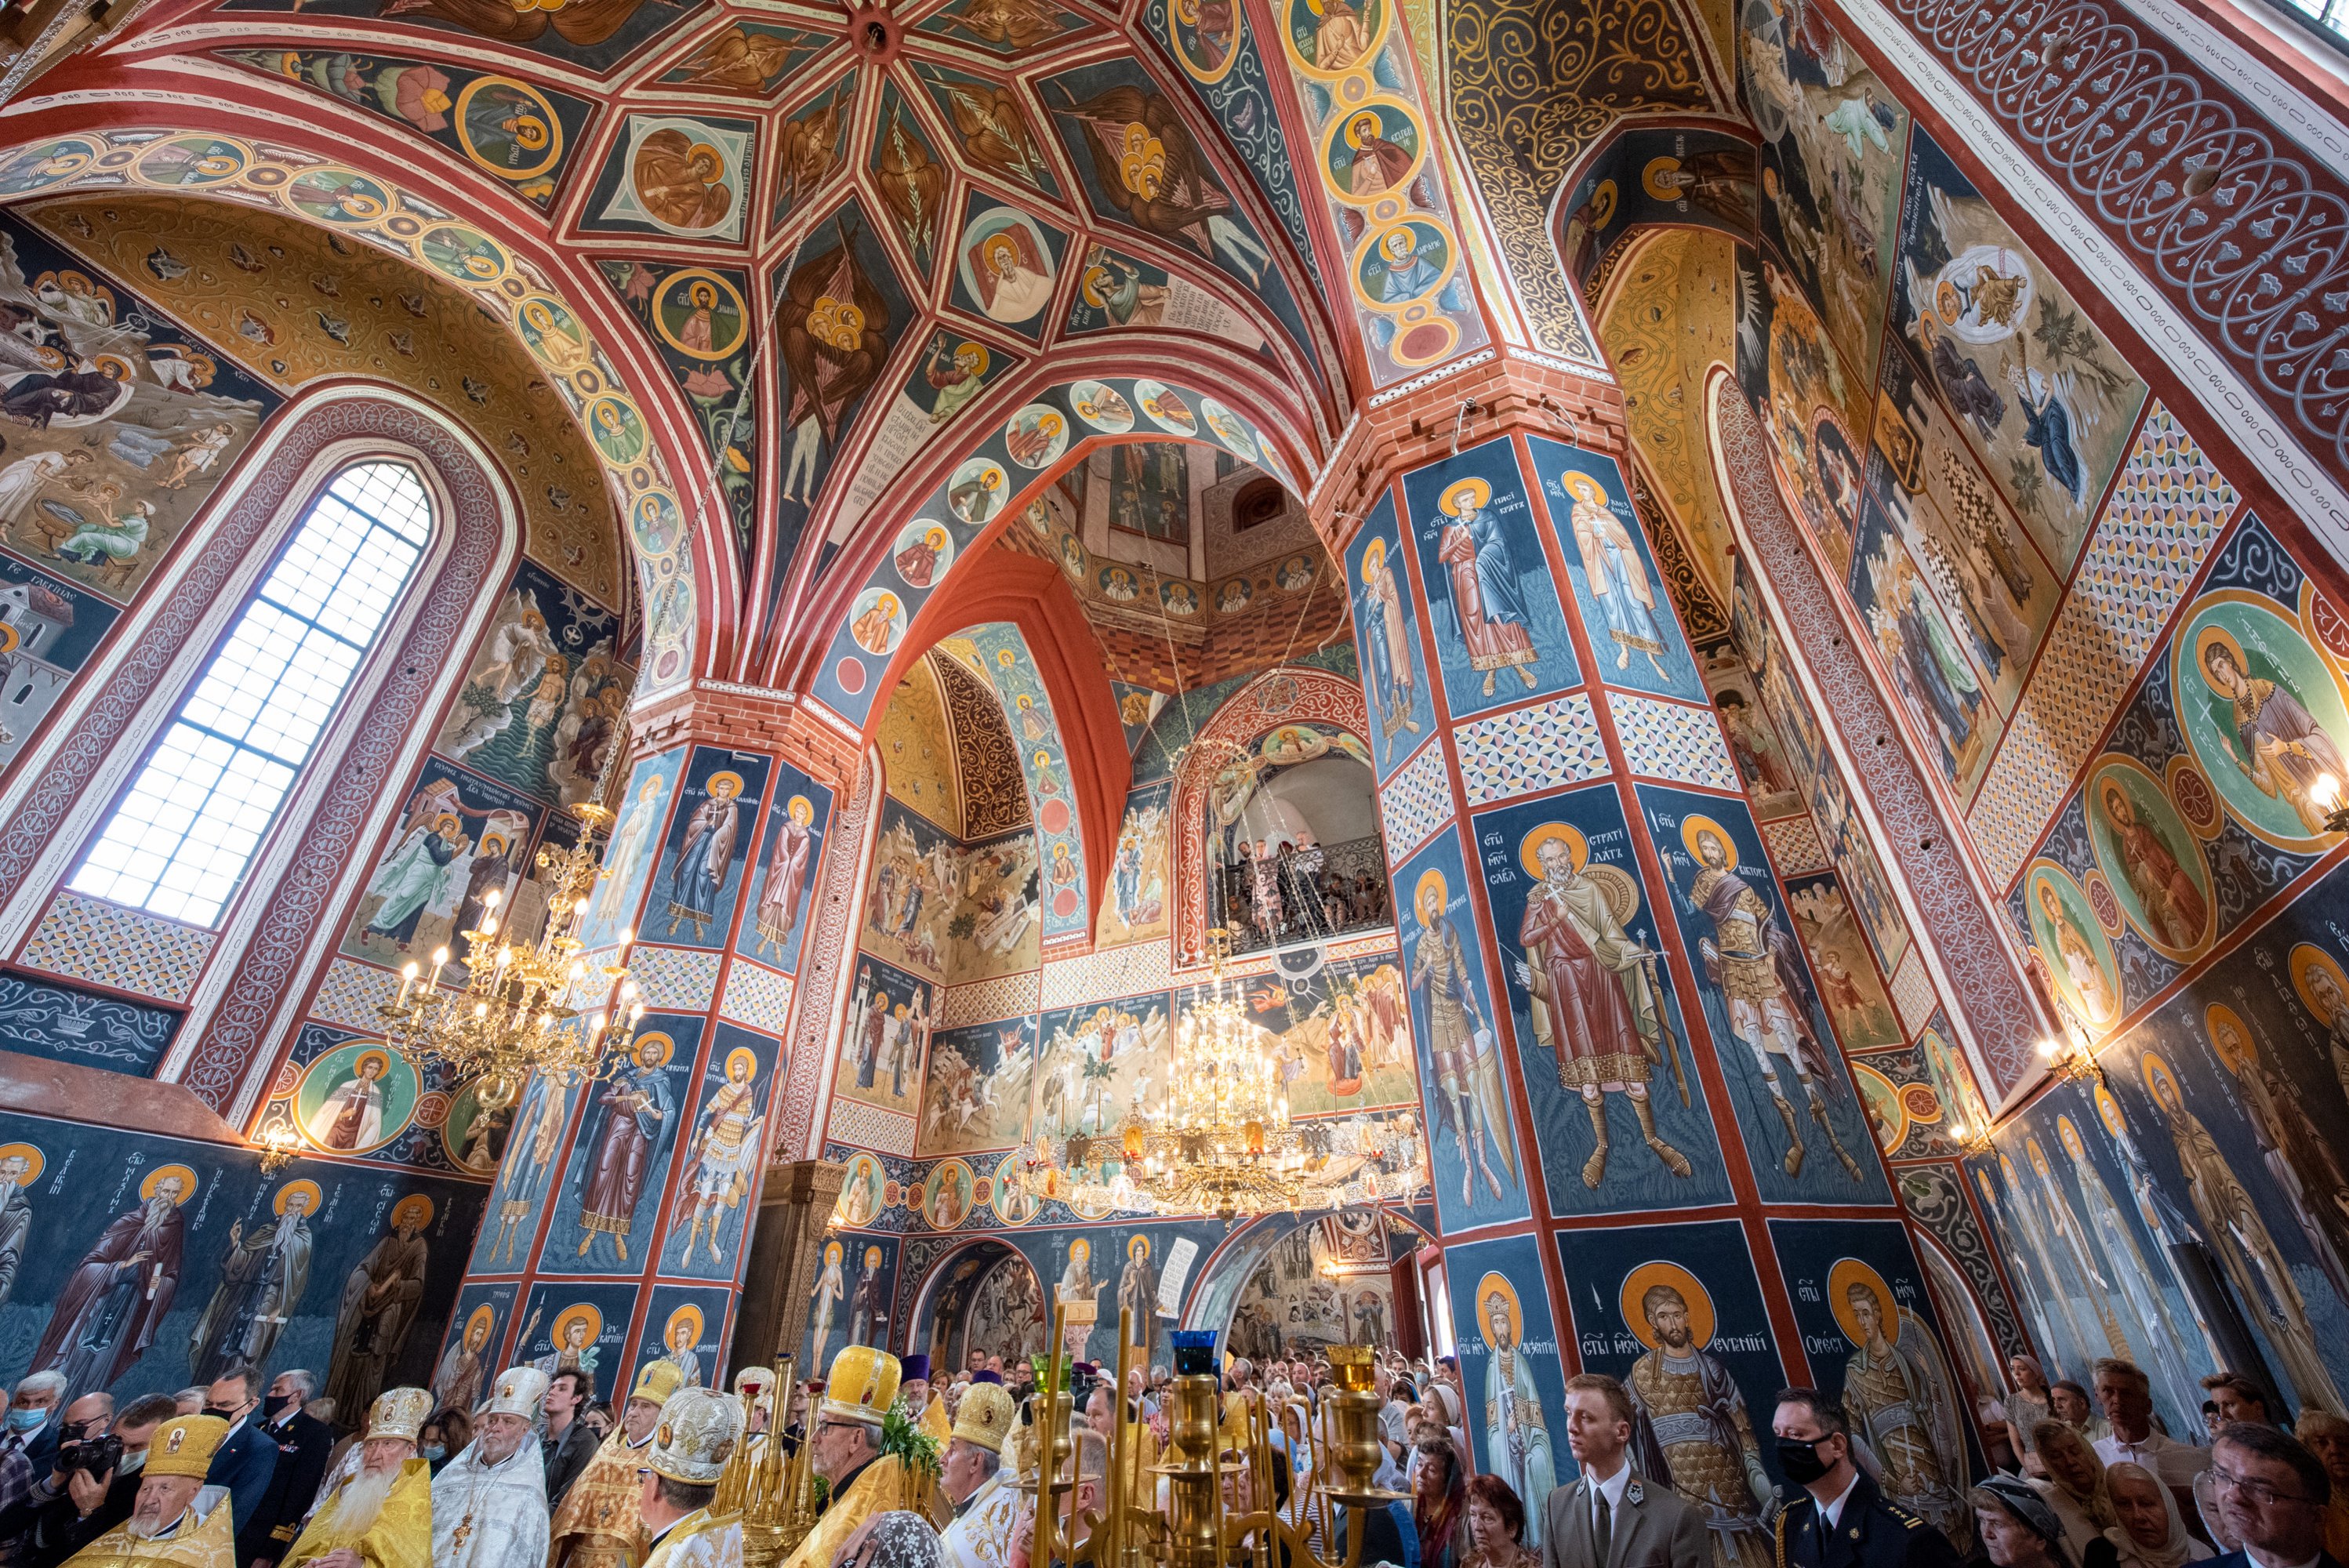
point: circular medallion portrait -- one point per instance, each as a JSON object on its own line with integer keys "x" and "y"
{"x": 2151, "y": 860}
{"x": 356, "y": 1097}
{"x": 509, "y": 128}
{"x": 2263, "y": 713}
{"x": 2079, "y": 955}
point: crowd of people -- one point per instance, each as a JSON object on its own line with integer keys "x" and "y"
{"x": 1279, "y": 892}
{"x": 244, "y": 1473}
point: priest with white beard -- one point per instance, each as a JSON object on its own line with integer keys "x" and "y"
{"x": 380, "y": 1517}
{"x": 488, "y": 1503}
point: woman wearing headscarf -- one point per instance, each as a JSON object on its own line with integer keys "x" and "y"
{"x": 1439, "y": 1504}
{"x": 1443, "y": 1404}
{"x": 2076, "y": 1489}
{"x": 2016, "y": 1527}
{"x": 2151, "y": 1534}
{"x": 896, "y": 1539}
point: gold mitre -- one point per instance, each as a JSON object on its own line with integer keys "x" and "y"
{"x": 697, "y": 1431}
{"x": 400, "y": 1413}
{"x": 521, "y": 1391}
{"x": 658, "y": 1381}
{"x": 985, "y": 1416}
{"x": 184, "y": 1446}
{"x": 862, "y": 1385}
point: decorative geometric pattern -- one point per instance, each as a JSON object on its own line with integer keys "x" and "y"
{"x": 676, "y": 979}
{"x": 1912, "y": 992}
{"x": 126, "y": 949}
{"x": 1794, "y": 846}
{"x": 1416, "y": 802}
{"x": 989, "y": 1001}
{"x": 2166, "y": 513}
{"x": 758, "y": 996}
{"x": 1529, "y": 748}
{"x": 870, "y": 1126}
{"x": 1125, "y": 971}
{"x": 1672, "y": 740}
{"x": 351, "y": 992}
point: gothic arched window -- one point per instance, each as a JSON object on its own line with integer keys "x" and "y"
{"x": 179, "y": 839}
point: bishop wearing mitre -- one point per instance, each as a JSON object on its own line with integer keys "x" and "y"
{"x": 981, "y": 1487}
{"x": 597, "y": 1525}
{"x": 863, "y": 1481}
{"x": 177, "y": 1519}
{"x": 488, "y": 1503}
{"x": 380, "y": 1517}
{"x": 697, "y": 1433}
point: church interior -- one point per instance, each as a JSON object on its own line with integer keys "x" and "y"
{"x": 692, "y": 682}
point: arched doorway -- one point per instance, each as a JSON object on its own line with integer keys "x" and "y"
{"x": 1286, "y": 1289}
{"x": 983, "y": 1299}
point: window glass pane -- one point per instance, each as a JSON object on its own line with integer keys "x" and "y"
{"x": 188, "y": 824}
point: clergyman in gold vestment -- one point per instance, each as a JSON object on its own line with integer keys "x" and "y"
{"x": 847, "y": 1437}
{"x": 178, "y": 1520}
{"x": 380, "y": 1517}
{"x": 599, "y": 1525}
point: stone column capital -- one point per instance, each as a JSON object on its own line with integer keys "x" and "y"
{"x": 721, "y": 713}
{"x": 1486, "y": 394}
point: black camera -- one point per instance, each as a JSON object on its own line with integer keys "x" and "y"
{"x": 95, "y": 1455}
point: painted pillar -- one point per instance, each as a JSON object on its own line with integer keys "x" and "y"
{"x": 622, "y": 1216}
{"x": 1645, "y": 1142}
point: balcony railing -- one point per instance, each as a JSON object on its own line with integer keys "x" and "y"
{"x": 1321, "y": 892}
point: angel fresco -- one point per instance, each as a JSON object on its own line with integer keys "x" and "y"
{"x": 1153, "y": 172}
{"x": 834, "y": 326}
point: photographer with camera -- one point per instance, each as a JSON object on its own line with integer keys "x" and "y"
{"x": 94, "y": 1483}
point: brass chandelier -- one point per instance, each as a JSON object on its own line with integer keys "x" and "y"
{"x": 1219, "y": 1139}
{"x": 541, "y": 1007}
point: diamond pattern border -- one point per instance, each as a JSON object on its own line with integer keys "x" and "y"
{"x": 2166, "y": 513}
{"x": 351, "y": 992}
{"x": 128, "y": 950}
{"x": 870, "y": 1126}
{"x": 1794, "y": 846}
{"x": 1672, "y": 740}
{"x": 1912, "y": 992}
{"x": 674, "y": 979}
{"x": 1531, "y": 749}
{"x": 990, "y": 1001}
{"x": 758, "y": 996}
{"x": 1127, "y": 971}
{"x": 1416, "y": 802}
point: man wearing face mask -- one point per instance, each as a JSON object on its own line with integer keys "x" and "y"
{"x": 85, "y": 1496}
{"x": 303, "y": 1443}
{"x": 1841, "y": 1519}
{"x": 246, "y": 1460}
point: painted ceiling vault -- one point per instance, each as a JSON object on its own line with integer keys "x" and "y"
{"x": 816, "y": 243}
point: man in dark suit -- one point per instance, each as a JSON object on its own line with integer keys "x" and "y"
{"x": 1609, "y": 1517}
{"x": 2271, "y": 1497}
{"x": 246, "y": 1458}
{"x": 1840, "y": 1518}
{"x": 303, "y": 1443}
